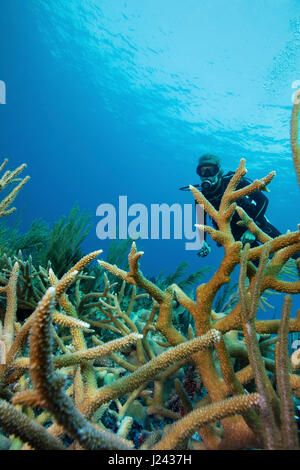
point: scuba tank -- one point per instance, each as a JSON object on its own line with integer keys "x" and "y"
{"x": 187, "y": 188}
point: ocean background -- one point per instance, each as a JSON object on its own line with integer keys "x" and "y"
{"x": 108, "y": 98}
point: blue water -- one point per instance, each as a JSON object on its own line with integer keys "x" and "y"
{"x": 109, "y": 98}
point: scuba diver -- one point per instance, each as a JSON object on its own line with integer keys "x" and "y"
{"x": 213, "y": 184}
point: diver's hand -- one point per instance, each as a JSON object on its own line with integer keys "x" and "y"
{"x": 247, "y": 237}
{"x": 205, "y": 250}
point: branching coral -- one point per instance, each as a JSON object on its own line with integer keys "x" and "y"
{"x": 59, "y": 245}
{"x": 201, "y": 309}
{"x": 103, "y": 371}
{"x": 48, "y": 391}
{"x": 185, "y": 428}
{"x": 269, "y": 402}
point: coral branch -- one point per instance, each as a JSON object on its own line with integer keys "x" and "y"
{"x": 288, "y": 425}
{"x": 150, "y": 370}
{"x": 248, "y": 307}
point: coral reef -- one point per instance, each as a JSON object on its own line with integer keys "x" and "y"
{"x": 10, "y": 177}
{"x": 101, "y": 360}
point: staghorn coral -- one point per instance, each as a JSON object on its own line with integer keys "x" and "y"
{"x": 295, "y": 134}
{"x": 134, "y": 383}
{"x": 101, "y": 368}
{"x": 10, "y": 177}
{"x": 186, "y": 427}
{"x": 48, "y": 391}
{"x": 63, "y": 247}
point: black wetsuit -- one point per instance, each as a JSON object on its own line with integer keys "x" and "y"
{"x": 255, "y": 205}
